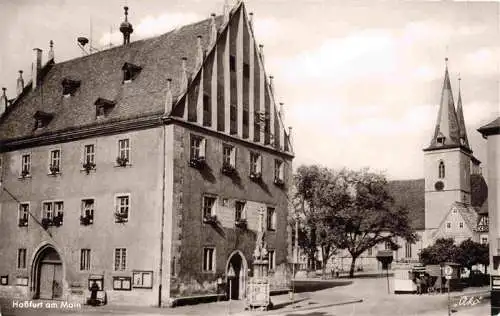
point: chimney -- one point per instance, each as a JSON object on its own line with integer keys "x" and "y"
{"x": 51, "y": 50}
{"x": 169, "y": 97}
{"x": 282, "y": 112}
{"x": 213, "y": 30}
{"x": 20, "y": 83}
{"x": 199, "y": 52}
{"x": 184, "y": 77}
{"x": 261, "y": 52}
{"x": 271, "y": 84}
{"x": 250, "y": 19}
{"x": 4, "y": 102}
{"x": 36, "y": 67}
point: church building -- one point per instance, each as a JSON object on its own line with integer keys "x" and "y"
{"x": 146, "y": 168}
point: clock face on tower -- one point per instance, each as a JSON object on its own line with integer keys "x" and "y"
{"x": 439, "y": 185}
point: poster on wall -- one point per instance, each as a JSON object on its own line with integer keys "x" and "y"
{"x": 98, "y": 279}
{"x": 143, "y": 279}
{"x": 122, "y": 283}
{"x": 22, "y": 281}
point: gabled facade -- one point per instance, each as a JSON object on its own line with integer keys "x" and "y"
{"x": 460, "y": 224}
{"x": 148, "y": 171}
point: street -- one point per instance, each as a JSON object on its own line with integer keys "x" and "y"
{"x": 337, "y": 300}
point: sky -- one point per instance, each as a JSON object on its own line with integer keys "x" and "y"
{"x": 360, "y": 80}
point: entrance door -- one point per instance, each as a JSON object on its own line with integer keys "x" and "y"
{"x": 50, "y": 281}
{"x": 235, "y": 276}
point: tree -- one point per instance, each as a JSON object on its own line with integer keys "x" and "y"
{"x": 473, "y": 253}
{"x": 311, "y": 185}
{"x": 443, "y": 250}
{"x": 366, "y": 216}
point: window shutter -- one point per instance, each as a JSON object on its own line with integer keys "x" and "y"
{"x": 203, "y": 142}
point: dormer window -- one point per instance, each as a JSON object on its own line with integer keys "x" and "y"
{"x": 103, "y": 106}
{"x": 42, "y": 119}
{"x": 69, "y": 86}
{"x": 440, "y": 139}
{"x": 130, "y": 72}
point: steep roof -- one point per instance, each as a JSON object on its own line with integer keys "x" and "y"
{"x": 492, "y": 128}
{"x": 447, "y": 125}
{"x": 479, "y": 193}
{"x": 461, "y": 121}
{"x": 101, "y": 76}
{"x": 468, "y": 214}
{"x": 410, "y": 194}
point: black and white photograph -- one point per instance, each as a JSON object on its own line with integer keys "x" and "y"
{"x": 249, "y": 157}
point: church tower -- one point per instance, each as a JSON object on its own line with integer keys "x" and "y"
{"x": 447, "y": 160}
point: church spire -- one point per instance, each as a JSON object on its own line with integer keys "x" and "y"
{"x": 460, "y": 116}
{"x": 447, "y": 131}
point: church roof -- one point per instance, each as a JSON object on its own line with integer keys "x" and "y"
{"x": 461, "y": 121}
{"x": 101, "y": 76}
{"x": 492, "y": 128}
{"x": 410, "y": 194}
{"x": 447, "y": 127}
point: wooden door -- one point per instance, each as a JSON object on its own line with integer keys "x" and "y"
{"x": 57, "y": 281}
{"x": 46, "y": 278}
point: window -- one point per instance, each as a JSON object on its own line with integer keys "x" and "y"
{"x": 255, "y": 163}
{"x": 120, "y": 259}
{"x": 271, "y": 218}
{"x": 23, "y": 214}
{"x": 232, "y": 118}
{"x": 408, "y": 250}
{"x": 89, "y": 154}
{"x": 370, "y": 252}
{"x": 484, "y": 240}
{"x": 122, "y": 208}
{"x": 84, "y": 259}
{"x": 441, "y": 170}
{"x": 142, "y": 279}
{"x": 272, "y": 259}
{"x": 228, "y": 156}
{"x": 206, "y": 110}
{"x": 25, "y": 165}
{"x": 388, "y": 245}
{"x": 246, "y": 70}
{"x": 208, "y": 206}
{"x": 52, "y": 213}
{"x": 232, "y": 63}
{"x": 448, "y": 225}
{"x": 461, "y": 225}
{"x": 197, "y": 148}
{"x": 87, "y": 212}
{"x": 122, "y": 283}
{"x": 239, "y": 207}
{"x": 208, "y": 259}
{"x": 124, "y": 150}
{"x": 55, "y": 161}
{"x": 48, "y": 210}
{"x": 21, "y": 258}
{"x": 440, "y": 139}
{"x": 278, "y": 170}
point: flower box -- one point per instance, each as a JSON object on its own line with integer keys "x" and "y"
{"x": 228, "y": 169}
{"x": 46, "y": 222}
{"x": 210, "y": 219}
{"x": 57, "y": 220}
{"x": 279, "y": 182}
{"x": 87, "y": 166}
{"x": 121, "y": 217}
{"x": 54, "y": 169}
{"x": 23, "y": 222}
{"x": 241, "y": 223}
{"x": 197, "y": 162}
{"x": 256, "y": 176}
{"x": 121, "y": 161}
{"x": 25, "y": 173}
{"x": 86, "y": 220}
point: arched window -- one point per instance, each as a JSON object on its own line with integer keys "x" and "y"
{"x": 441, "y": 170}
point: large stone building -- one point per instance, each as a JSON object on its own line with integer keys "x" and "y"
{"x": 145, "y": 167}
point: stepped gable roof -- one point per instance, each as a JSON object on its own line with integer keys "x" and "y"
{"x": 101, "y": 76}
{"x": 410, "y": 194}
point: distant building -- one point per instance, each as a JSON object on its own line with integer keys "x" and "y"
{"x": 491, "y": 132}
{"x": 144, "y": 168}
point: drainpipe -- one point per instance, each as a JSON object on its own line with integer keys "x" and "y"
{"x": 160, "y": 276}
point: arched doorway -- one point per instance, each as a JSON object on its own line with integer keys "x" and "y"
{"x": 47, "y": 274}
{"x": 236, "y": 275}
